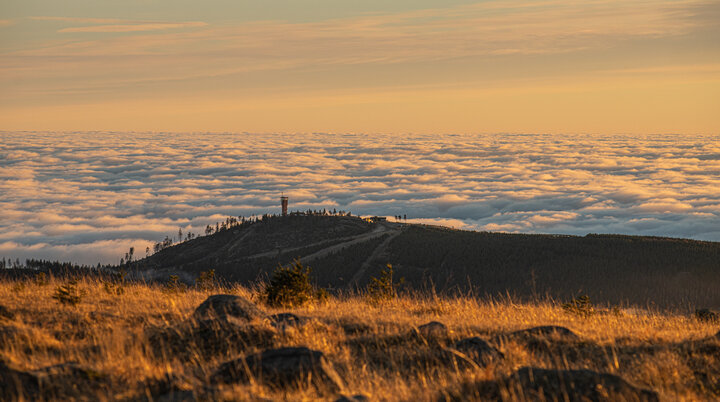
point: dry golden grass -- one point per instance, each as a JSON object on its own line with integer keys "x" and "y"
{"x": 369, "y": 344}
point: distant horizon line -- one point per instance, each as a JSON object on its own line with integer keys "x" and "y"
{"x": 219, "y": 132}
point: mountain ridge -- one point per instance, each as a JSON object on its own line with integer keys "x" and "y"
{"x": 345, "y": 252}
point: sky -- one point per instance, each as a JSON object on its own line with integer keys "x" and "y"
{"x": 371, "y": 66}
{"x": 89, "y": 196}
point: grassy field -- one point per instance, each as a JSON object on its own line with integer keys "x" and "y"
{"x": 127, "y": 346}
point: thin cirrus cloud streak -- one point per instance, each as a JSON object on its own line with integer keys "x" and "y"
{"x": 482, "y": 29}
{"x": 88, "y": 197}
{"x": 108, "y": 25}
{"x": 134, "y": 27}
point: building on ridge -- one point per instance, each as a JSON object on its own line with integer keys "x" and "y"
{"x": 284, "y": 203}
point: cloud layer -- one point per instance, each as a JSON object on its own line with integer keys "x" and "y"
{"x": 88, "y": 197}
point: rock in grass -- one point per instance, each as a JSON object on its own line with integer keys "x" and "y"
{"x": 16, "y": 383}
{"x": 225, "y": 306}
{"x": 478, "y": 350}
{"x": 221, "y": 324}
{"x": 577, "y": 385}
{"x": 282, "y": 368}
{"x": 209, "y": 337}
{"x": 537, "y": 384}
{"x": 432, "y": 329}
{"x": 176, "y": 396}
{"x": 61, "y": 381}
{"x": 214, "y": 336}
{"x": 546, "y": 331}
{"x": 6, "y": 313}
{"x": 285, "y": 320}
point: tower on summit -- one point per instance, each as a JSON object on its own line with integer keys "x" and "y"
{"x": 284, "y": 203}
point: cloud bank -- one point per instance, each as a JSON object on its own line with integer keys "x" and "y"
{"x": 88, "y": 197}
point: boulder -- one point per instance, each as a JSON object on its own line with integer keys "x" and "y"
{"x": 282, "y": 368}
{"x": 227, "y": 306}
{"x": 478, "y": 350}
{"x": 577, "y": 385}
{"x": 216, "y": 336}
{"x": 432, "y": 329}
{"x": 209, "y": 337}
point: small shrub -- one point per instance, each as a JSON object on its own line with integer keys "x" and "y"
{"x": 206, "y": 281}
{"x": 40, "y": 279}
{"x": 174, "y": 285}
{"x": 322, "y": 295}
{"x": 18, "y": 287}
{"x": 580, "y": 305}
{"x": 706, "y": 315}
{"x": 383, "y": 288}
{"x": 115, "y": 286}
{"x": 290, "y": 286}
{"x": 69, "y": 293}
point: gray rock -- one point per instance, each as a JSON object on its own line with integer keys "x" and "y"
{"x": 226, "y": 306}
{"x": 432, "y": 329}
{"x": 478, "y": 350}
{"x": 578, "y": 385}
{"x": 282, "y": 368}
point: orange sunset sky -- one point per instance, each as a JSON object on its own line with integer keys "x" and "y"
{"x": 555, "y": 66}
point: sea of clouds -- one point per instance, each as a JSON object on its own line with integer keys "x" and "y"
{"x": 88, "y": 197}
